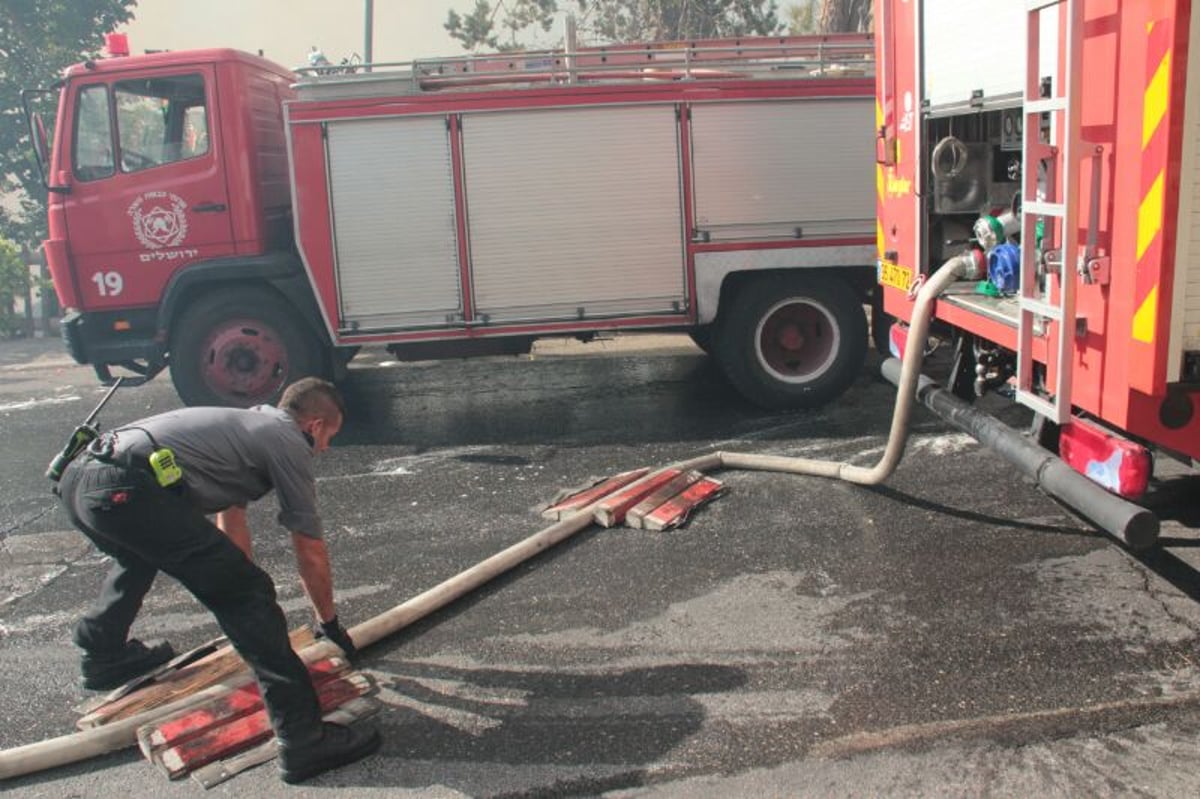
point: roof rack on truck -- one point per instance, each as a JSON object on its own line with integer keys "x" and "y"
{"x": 790, "y": 57}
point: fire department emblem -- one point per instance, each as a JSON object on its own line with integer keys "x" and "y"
{"x": 159, "y": 219}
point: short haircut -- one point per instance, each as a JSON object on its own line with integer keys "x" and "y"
{"x": 312, "y": 397}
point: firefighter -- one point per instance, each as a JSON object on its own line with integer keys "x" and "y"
{"x": 141, "y": 494}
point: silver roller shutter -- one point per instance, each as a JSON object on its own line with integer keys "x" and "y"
{"x": 393, "y": 209}
{"x": 574, "y": 213}
{"x": 767, "y": 169}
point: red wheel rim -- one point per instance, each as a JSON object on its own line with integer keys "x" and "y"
{"x": 797, "y": 340}
{"x": 244, "y": 361}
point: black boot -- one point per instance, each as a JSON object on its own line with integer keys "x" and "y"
{"x": 337, "y": 746}
{"x": 103, "y": 671}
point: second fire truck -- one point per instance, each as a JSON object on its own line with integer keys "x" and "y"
{"x": 217, "y": 213}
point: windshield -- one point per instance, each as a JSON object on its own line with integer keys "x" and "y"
{"x": 93, "y": 156}
{"x": 158, "y": 121}
{"x": 161, "y": 120}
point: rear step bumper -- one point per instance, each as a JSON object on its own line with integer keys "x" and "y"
{"x": 1135, "y": 526}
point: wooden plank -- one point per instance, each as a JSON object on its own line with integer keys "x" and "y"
{"x": 639, "y": 511}
{"x": 611, "y": 511}
{"x": 216, "y": 773}
{"x": 575, "y": 499}
{"x": 211, "y": 670}
{"x": 159, "y": 674}
{"x": 675, "y": 511}
{"x": 177, "y": 728}
{"x": 245, "y": 732}
{"x": 109, "y": 709}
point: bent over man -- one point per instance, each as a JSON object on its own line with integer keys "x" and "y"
{"x": 124, "y": 495}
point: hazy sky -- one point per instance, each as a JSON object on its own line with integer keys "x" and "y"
{"x": 285, "y": 29}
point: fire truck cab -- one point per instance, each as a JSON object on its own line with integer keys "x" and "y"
{"x": 169, "y": 184}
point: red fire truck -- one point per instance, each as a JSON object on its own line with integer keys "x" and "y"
{"x": 1048, "y": 153}
{"x": 243, "y": 224}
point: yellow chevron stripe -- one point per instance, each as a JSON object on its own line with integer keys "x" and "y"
{"x": 1150, "y": 215}
{"x": 1146, "y": 317}
{"x": 1154, "y": 104}
{"x": 878, "y": 114}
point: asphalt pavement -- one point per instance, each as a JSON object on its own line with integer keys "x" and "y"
{"x": 952, "y": 633}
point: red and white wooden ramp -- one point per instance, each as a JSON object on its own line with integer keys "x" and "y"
{"x": 640, "y": 499}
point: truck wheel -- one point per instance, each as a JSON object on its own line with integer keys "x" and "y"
{"x": 793, "y": 341}
{"x": 240, "y": 347}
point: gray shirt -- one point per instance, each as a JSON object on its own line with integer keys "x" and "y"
{"x": 231, "y": 457}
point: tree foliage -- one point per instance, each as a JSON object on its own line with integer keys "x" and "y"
{"x": 38, "y": 39}
{"x": 477, "y": 28}
{"x": 803, "y": 17}
{"x": 828, "y": 16}
{"x": 845, "y": 16}
{"x": 14, "y": 282}
{"x": 504, "y": 24}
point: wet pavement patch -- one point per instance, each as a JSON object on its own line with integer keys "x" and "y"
{"x": 28, "y": 562}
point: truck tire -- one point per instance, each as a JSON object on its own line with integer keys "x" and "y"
{"x": 792, "y": 341}
{"x": 240, "y": 347}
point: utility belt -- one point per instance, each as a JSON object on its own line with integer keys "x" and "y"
{"x": 159, "y": 463}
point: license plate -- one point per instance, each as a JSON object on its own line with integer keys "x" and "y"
{"x": 894, "y": 275}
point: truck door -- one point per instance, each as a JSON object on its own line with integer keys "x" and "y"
{"x": 147, "y": 186}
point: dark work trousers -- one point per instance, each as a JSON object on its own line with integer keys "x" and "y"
{"x": 145, "y": 529}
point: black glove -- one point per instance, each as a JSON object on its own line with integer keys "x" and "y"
{"x": 335, "y": 632}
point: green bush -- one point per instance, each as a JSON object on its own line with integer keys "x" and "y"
{"x": 14, "y": 282}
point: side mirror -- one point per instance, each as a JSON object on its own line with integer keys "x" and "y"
{"x": 41, "y": 147}
{"x": 39, "y": 139}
